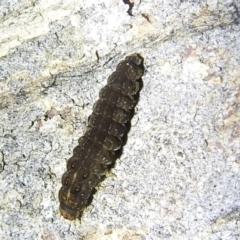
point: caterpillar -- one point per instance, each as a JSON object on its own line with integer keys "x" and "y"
{"x": 104, "y": 137}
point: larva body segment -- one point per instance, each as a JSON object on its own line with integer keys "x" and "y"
{"x": 107, "y": 127}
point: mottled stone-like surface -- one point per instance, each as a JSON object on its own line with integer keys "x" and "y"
{"x": 179, "y": 174}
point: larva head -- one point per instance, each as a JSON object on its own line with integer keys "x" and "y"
{"x": 69, "y": 214}
{"x": 75, "y": 192}
{"x": 71, "y": 206}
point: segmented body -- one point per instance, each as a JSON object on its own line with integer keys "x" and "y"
{"x": 107, "y": 127}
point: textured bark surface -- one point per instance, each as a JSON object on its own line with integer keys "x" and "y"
{"x": 178, "y": 176}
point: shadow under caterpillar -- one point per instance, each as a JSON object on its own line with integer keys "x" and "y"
{"x": 101, "y": 144}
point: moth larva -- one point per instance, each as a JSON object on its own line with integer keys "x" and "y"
{"x": 106, "y": 130}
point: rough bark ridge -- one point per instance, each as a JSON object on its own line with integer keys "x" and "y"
{"x": 107, "y": 127}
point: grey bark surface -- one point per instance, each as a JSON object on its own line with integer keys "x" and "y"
{"x": 179, "y": 174}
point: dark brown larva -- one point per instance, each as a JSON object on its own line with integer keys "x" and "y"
{"x": 107, "y": 127}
